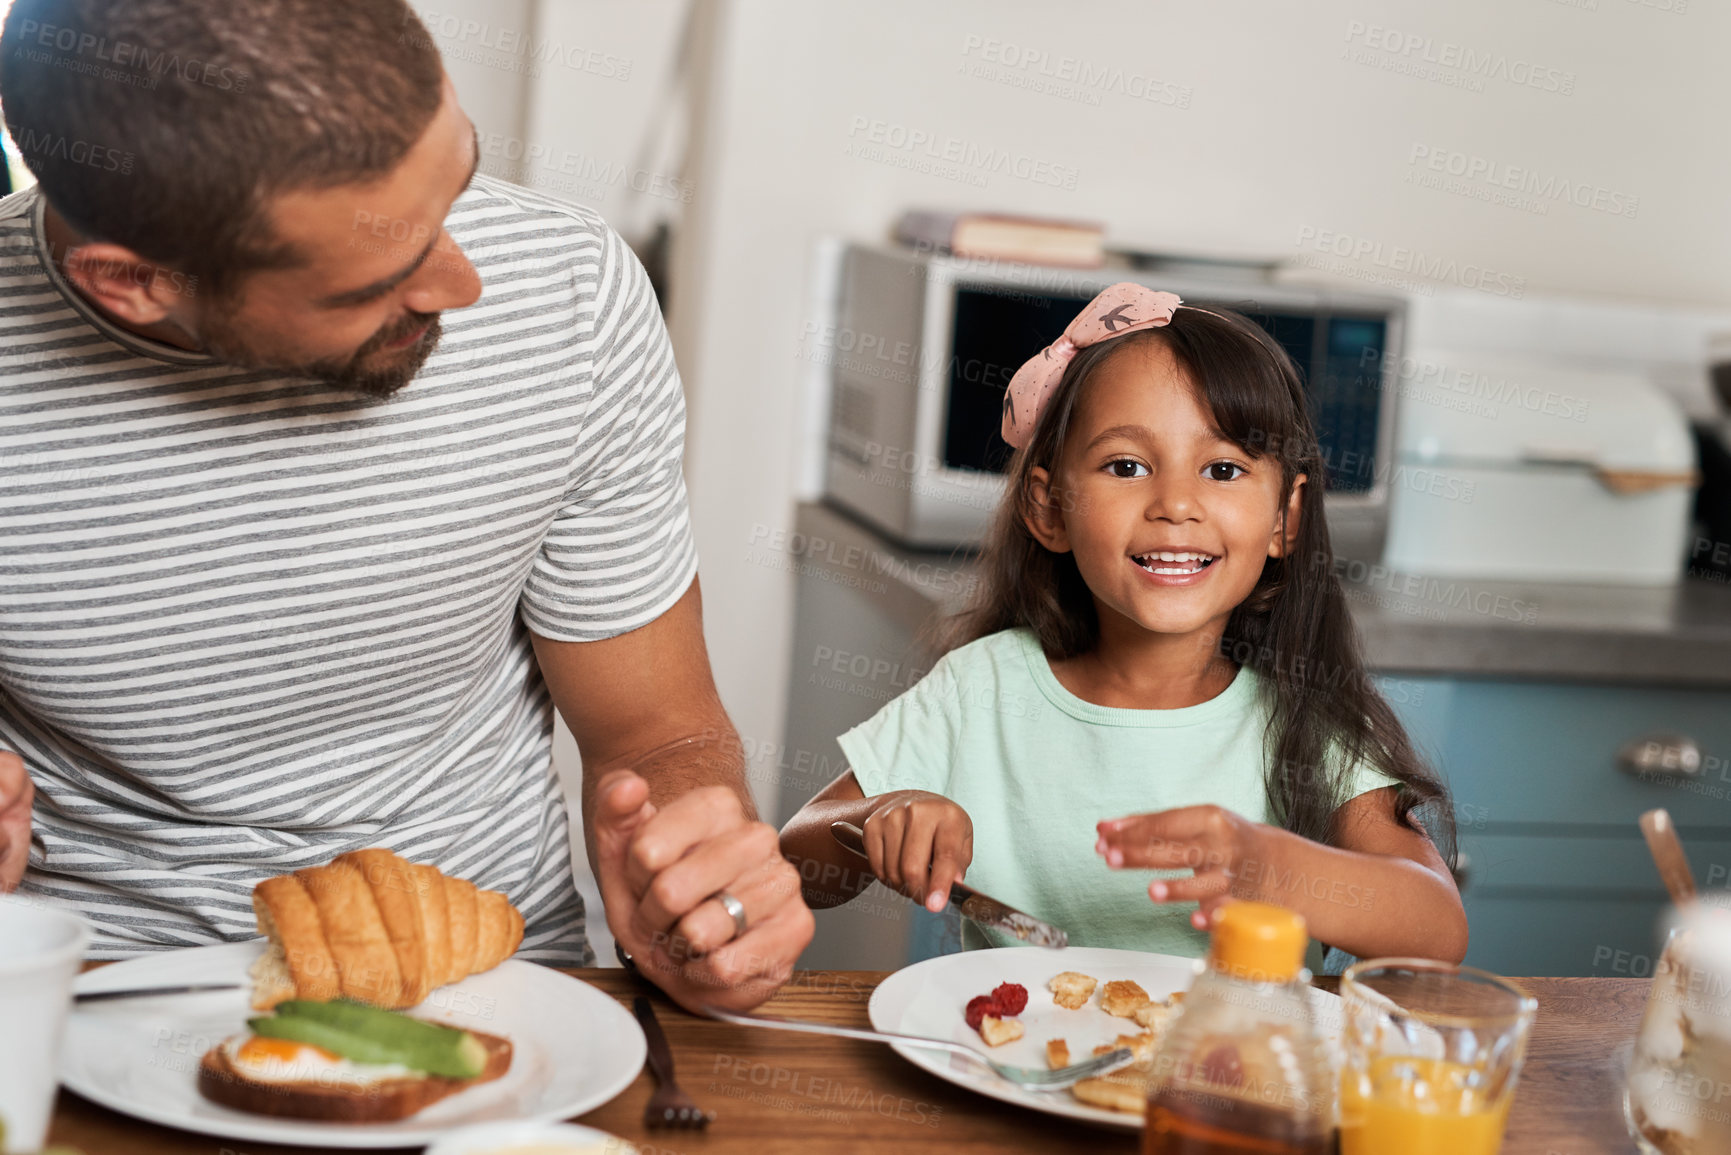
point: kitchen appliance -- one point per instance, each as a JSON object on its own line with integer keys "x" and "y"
{"x": 1527, "y": 469}
{"x": 1710, "y": 552}
{"x": 923, "y": 346}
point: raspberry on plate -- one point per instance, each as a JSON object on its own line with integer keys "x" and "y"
{"x": 1012, "y": 998}
{"x": 979, "y": 1007}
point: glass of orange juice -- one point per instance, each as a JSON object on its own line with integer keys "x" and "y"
{"x": 1432, "y": 1053}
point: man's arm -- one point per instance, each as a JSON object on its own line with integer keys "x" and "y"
{"x": 16, "y": 794}
{"x": 667, "y": 816}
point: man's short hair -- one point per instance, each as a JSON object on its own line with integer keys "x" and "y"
{"x": 165, "y": 125}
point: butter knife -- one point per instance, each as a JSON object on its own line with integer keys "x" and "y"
{"x": 151, "y": 992}
{"x": 976, "y": 907}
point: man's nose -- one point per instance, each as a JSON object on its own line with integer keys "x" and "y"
{"x": 445, "y": 280}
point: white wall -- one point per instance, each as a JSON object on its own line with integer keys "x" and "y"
{"x": 1283, "y": 135}
{"x": 490, "y": 80}
{"x": 600, "y": 104}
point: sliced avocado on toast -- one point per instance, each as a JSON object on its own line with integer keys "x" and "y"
{"x": 366, "y": 1034}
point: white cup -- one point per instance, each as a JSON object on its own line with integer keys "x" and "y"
{"x": 40, "y": 952}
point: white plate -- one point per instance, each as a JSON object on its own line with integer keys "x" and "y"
{"x": 930, "y": 998}
{"x": 487, "y": 1137}
{"x": 574, "y": 1048}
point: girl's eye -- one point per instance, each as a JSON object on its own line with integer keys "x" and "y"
{"x": 1224, "y": 471}
{"x": 1127, "y": 468}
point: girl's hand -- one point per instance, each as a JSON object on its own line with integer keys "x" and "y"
{"x": 919, "y": 843}
{"x": 1211, "y": 840}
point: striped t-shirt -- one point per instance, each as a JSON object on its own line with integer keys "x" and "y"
{"x": 248, "y": 622}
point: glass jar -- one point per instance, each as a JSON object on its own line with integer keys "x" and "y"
{"x": 1241, "y": 1068}
{"x": 1678, "y": 1096}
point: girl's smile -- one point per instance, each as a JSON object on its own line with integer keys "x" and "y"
{"x": 1170, "y": 567}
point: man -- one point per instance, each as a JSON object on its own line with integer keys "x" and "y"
{"x": 328, "y": 469}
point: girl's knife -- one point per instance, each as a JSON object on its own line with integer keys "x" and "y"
{"x": 976, "y": 907}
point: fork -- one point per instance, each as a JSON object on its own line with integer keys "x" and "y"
{"x": 669, "y": 1106}
{"x": 1033, "y": 1078}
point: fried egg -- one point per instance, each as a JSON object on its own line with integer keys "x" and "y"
{"x": 283, "y": 1061}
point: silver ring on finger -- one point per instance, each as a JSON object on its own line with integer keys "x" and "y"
{"x": 735, "y": 910}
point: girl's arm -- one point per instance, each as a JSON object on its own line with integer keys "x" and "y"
{"x": 829, "y": 874}
{"x": 1381, "y": 889}
{"x": 919, "y": 844}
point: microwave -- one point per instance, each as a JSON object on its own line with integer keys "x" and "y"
{"x": 922, "y": 348}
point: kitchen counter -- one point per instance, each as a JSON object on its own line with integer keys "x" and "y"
{"x": 1678, "y": 635}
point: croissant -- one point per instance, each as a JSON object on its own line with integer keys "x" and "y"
{"x": 375, "y": 928}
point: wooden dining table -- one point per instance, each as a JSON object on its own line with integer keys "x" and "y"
{"x": 778, "y": 1093}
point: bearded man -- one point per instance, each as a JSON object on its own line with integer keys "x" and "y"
{"x": 328, "y": 470}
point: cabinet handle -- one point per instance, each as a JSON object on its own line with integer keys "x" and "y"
{"x": 1661, "y": 756}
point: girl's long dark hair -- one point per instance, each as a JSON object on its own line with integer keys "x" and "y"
{"x": 1294, "y": 629}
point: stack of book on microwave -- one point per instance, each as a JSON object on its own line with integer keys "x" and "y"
{"x": 1029, "y": 240}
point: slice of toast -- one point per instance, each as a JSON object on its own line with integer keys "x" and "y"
{"x": 1124, "y": 1090}
{"x": 1154, "y": 1015}
{"x": 381, "y": 1102}
{"x": 1072, "y": 989}
{"x": 998, "y": 1031}
{"x": 1123, "y": 998}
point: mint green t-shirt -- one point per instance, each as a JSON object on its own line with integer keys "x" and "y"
{"x": 991, "y": 728}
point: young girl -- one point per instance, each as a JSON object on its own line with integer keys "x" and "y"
{"x": 1158, "y": 672}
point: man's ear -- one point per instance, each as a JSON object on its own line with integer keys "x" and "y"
{"x": 1046, "y": 519}
{"x": 1285, "y": 537}
{"x": 124, "y": 284}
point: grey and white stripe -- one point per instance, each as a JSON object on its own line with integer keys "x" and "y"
{"x": 248, "y": 622}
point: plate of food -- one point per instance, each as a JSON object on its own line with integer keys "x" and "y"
{"x": 1048, "y": 1008}
{"x": 382, "y": 1009}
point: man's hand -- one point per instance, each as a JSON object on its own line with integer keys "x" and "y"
{"x": 668, "y": 814}
{"x": 16, "y": 795}
{"x": 659, "y": 871}
{"x": 1210, "y": 840}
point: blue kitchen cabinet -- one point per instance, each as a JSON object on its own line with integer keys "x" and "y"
{"x": 1557, "y": 879}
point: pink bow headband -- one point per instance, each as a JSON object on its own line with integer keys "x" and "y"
{"x": 1119, "y": 309}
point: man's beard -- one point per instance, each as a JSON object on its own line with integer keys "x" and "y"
{"x": 223, "y": 341}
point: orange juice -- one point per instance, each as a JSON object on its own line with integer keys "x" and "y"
{"x": 1408, "y": 1106}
